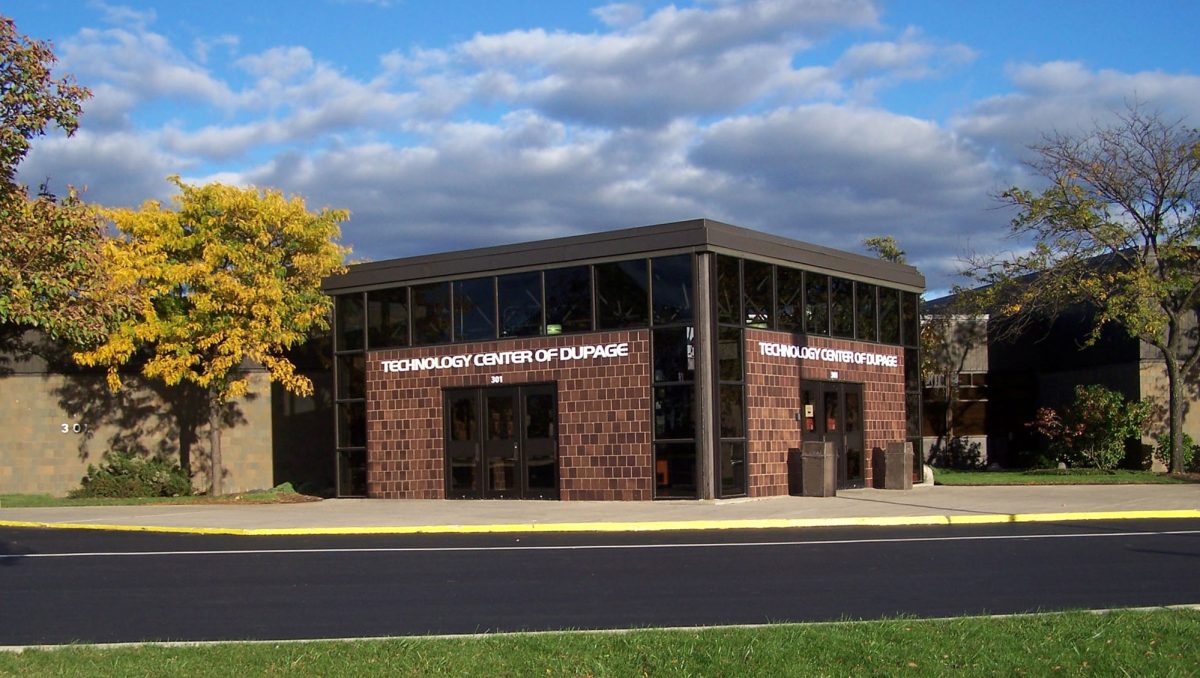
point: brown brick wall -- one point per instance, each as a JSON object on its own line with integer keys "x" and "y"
{"x": 604, "y": 450}
{"x": 773, "y": 398}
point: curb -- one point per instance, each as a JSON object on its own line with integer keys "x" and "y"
{"x": 644, "y": 526}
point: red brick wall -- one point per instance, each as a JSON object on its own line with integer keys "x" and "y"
{"x": 773, "y": 398}
{"x": 604, "y": 449}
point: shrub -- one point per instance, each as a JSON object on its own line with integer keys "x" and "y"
{"x": 1191, "y": 451}
{"x": 124, "y": 475}
{"x": 958, "y": 453}
{"x": 1093, "y": 430}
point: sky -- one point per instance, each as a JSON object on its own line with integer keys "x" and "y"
{"x": 448, "y": 124}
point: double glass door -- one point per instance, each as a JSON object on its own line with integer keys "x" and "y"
{"x": 833, "y": 412}
{"x": 502, "y": 442}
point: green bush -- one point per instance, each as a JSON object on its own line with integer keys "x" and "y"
{"x": 124, "y": 475}
{"x": 1191, "y": 451}
{"x": 1093, "y": 430}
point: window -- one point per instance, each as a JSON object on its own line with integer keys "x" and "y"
{"x": 672, "y": 289}
{"x": 816, "y": 303}
{"x": 889, "y": 316}
{"x": 866, "y": 325}
{"x": 621, "y": 295}
{"x": 568, "y": 300}
{"x": 729, "y": 291}
{"x": 431, "y": 313}
{"x": 520, "y": 296}
{"x": 790, "y": 286}
{"x": 759, "y": 283}
{"x": 910, "y": 321}
{"x": 349, "y": 311}
{"x": 841, "y": 308}
{"x": 674, "y": 357}
{"x": 387, "y": 318}
{"x": 475, "y": 309}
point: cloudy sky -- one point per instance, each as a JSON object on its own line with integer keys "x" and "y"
{"x": 444, "y": 124}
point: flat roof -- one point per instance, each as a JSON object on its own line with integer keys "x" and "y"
{"x": 695, "y": 235}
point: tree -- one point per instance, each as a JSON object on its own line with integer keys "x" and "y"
{"x": 51, "y": 274}
{"x": 1116, "y": 231}
{"x": 885, "y": 247}
{"x": 1094, "y": 428}
{"x": 29, "y": 98}
{"x": 231, "y": 276}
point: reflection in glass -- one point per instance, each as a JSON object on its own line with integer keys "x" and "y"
{"x": 866, "y": 325}
{"x": 475, "y": 309}
{"x": 733, "y": 468}
{"x": 674, "y": 356}
{"x": 841, "y": 307}
{"x": 816, "y": 303}
{"x": 352, "y": 473}
{"x": 675, "y": 470}
{"x": 539, "y": 415}
{"x": 351, "y": 376}
{"x": 729, "y": 290}
{"x": 520, "y": 296}
{"x": 672, "y": 288}
{"x": 790, "y": 285}
{"x": 500, "y": 417}
{"x": 352, "y": 424}
{"x": 733, "y": 414}
{"x": 349, "y": 313}
{"x": 621, "y": 295}
{"x": 832, "y": 413}
{"x": 759, "y": 283}
{"x": 568, "y": 300}
{"x": 729, "y": 354}
{"x": 387, "y": 318}
{"x": 431, "y": 313}
{"x": 673, "y": 412}
{"x": 853, "y": 412}
{"x": 909, "y": 319}
{"x": 889, "y": 316}
{"x": 463, "y": 427}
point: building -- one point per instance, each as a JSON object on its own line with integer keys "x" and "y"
{"x": 991, "y": 384}
{"x": 682, "y": 360}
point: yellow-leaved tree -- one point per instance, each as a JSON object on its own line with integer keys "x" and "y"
{"x": 227, "y": 278}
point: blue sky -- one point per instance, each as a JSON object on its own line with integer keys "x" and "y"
{"x": 449, "y": 124}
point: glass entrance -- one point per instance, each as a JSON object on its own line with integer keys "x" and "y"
{"x": 502, "y": 443}
{"x": 833, "y": 412}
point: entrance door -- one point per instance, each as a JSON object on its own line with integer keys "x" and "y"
{"x": 833, "y": 413}
{"x": 502, "y": 443}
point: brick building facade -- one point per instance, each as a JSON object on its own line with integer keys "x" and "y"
{"x": 681, "y": 360}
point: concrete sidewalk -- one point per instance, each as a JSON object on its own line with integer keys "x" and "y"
{"x": 924, "y": 505}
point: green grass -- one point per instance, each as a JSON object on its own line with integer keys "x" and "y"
{"x": 1136, "y": 643}
{"x": 945, "y": 476}
{"x": 283, "y": 494}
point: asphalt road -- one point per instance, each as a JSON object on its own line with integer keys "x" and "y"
{"x": 60, "y": 586}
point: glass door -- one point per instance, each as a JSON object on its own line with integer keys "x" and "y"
{"x": 832, "y": 412}
{"x": 502, "y": 443}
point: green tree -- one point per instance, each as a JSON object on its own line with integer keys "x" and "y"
{"x": 51, "y": 273}
{"x": 885, "y": 247}
{"x": 230, "y": 276}
{"x": 1116, "y": 231}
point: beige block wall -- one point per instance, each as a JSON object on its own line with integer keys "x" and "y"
{"x": 1153, "y": 377}
{"x": 37, "y": 456}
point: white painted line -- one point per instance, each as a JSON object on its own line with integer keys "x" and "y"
{"x": 592, "y": 547}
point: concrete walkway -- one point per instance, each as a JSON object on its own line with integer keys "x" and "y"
{"x": 923, "y": 505}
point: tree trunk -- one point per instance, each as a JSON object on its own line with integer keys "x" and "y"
{"x": 1175, "y": 407}
{"x": 214, "y": 449}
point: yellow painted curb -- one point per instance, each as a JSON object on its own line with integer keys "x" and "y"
{"x": 644, "y": 526}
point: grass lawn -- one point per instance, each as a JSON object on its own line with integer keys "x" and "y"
{"x": 945, "y": 476}
{"x": 1124, "y": 643}
{"x": 284, "y": 494}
